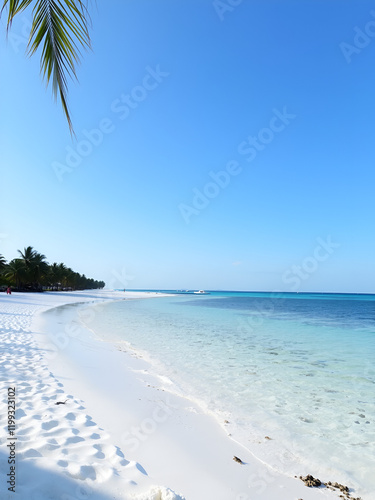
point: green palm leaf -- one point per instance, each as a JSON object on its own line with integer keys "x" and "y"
{"x": 2, "y": 262}
{"x": 59, "y": 28}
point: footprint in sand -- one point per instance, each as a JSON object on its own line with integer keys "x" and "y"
{"x": 47, "y": 426}
{"x": 63, "y": 463}
{"x": 110, "y": 453}
{"x": 31, "y": 453}
{"x": 78, "y": 418}
{"x": 99, "y": 453}
{"x": 24, "y": 387}
{"x": 89, "y": 422}
{"x": 20, "y": 414}
{"x": 74, "y": 440}
{"x": 137, "y": 467}
{"x": 81, "y": 471}
{"x": 26, "y": 431}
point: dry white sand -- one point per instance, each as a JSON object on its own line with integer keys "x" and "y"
{"x": 93, "y": 423}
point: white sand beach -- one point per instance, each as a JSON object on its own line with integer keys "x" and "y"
{"x": 93, "y": 423}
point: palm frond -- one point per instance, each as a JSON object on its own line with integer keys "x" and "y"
{"x": 14, "y": 7}
{"x": 59, "y": 27}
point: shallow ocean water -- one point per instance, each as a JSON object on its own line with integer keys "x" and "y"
{"x": 298, "y": 368}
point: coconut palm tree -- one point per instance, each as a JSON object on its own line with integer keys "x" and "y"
{"x": 54, "y": 275}
{"x": 2, "y": 263}
{"x": 58, "y": 27}
{"x": 27, "y": 256}
{"x": 15, "y": 271}
{"x": 35, "y": 265}
{"x": 70, "y": 278}
{"x": 2, "y": 268}
{"x": 39, "y": 269}
{"x": 57, "y": 274}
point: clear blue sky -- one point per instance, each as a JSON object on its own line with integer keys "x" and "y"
{"x": 278, "y": 94}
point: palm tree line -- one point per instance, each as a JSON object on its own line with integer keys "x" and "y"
{"x": 31, "y": 272}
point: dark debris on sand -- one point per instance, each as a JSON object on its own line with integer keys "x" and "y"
{"x": 313, "y": 482}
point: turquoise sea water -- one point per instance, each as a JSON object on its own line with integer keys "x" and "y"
{"x": 298, "y": 368}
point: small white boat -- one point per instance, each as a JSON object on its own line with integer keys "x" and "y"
{"x": 202, "y": 292}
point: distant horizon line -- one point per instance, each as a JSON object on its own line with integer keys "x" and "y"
{"x": 183, "y": 290}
